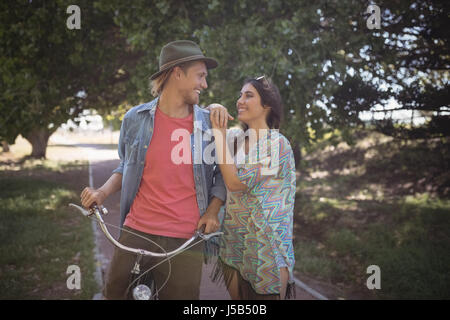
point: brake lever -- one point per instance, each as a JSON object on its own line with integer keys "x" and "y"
{"x": 209, "y": 235}
{"x": 91, "y": 211}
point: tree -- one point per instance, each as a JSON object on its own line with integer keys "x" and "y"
{"x": 50, "y": 73}
{"x": 413, "y": 60}
{"x": 330, "y": 67}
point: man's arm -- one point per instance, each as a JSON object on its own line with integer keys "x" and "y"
{"x": 211, "y": 217}
{"x": 218, "y": 196}
{"x": 90, "y": 195}
{"x": 113, "y": 184}
{"x": 218, "y": 193}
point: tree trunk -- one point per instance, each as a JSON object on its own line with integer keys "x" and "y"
{"x": 38, "y": 138}
{"x": 5, "y": 146}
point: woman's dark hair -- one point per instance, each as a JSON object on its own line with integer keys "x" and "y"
{"x": 270, "y": 97}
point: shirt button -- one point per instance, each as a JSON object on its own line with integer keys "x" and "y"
{"x": 145, "y": 147}
{"x": 142, "y": 162}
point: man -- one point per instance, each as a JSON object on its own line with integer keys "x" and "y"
{"x": 164, "y": 197}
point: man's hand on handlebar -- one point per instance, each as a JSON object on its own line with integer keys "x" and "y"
{"x": 90, "y": 196}
{"x": 208, "y": 223}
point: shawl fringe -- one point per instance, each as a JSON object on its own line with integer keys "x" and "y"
{"x": 211, "y": 250}
{"x": 222, "y": 273}
{"x": 291, "y": 292}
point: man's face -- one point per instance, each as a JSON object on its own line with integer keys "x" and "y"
{"x": 193, "y": 82}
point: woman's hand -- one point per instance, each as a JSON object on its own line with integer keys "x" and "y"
{"x": 219, "y": 116}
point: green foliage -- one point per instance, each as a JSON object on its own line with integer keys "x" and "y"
{"x": 46, "y": 67}
{"x": 328, "y": 64}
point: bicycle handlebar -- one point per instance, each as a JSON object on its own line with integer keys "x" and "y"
{"x": 98, "y": 211}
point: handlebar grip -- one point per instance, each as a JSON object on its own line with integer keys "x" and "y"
{"x": 202, "y": 228}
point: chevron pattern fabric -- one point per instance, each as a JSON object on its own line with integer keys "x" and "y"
{"x": 258, "y": 223}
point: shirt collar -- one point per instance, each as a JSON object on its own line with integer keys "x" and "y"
{"x": 199, "y": 115}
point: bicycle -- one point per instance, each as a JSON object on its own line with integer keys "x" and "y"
{"x": 142, "y": 285}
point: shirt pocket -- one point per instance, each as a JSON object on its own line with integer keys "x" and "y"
{"x": 131, "y": 150}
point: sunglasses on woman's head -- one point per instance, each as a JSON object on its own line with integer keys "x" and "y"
{"x": 262, "y": 79}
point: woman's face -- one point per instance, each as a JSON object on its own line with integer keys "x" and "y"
{"x": 249, "y": 105}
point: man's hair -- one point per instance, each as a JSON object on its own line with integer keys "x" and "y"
{"x": 157, "y": 85}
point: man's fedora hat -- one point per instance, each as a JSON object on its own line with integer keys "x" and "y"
{"x": 180, "y": 51}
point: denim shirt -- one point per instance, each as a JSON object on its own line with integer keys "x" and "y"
{"x": 135, "y": 135}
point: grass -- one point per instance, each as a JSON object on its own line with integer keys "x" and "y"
{"x": 381, "y": 203}
{"x": 415, "y": 251}
{"x": 40, "y": 237}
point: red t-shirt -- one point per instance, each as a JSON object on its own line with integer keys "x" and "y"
{"x": 166, "y": 202}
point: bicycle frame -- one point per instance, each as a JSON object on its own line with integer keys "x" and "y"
{"x": 140, "y": 292}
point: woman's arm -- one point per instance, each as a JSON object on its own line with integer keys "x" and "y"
{"x": 225, "y": 159}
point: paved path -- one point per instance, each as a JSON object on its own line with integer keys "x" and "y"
{"x": 102, "y": 161}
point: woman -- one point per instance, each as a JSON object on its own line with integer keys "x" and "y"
{"x": 256, "y": 256}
